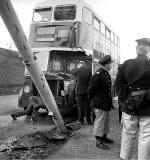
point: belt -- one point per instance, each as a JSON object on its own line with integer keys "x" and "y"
{"x": 136, "y": 93}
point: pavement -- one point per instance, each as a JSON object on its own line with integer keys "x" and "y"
{"x": 8, "y": 104}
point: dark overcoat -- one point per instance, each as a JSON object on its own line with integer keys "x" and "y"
{"x": 100, "y": 90}
{"x": 83, "y": 76}
{"x": 133, "y": 75}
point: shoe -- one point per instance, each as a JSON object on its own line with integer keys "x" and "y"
{"x": 33, "y": 119}
{"x": 80, "y": 123}
{"x": 102, "y": 145}
{"x": 107, "y": 140}
{"x": 13, "y": 117}
{"x": 89, "y": 122}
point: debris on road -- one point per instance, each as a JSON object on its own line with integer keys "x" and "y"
{"x": 35, "y": 145}
{"x": 29, "y": 146}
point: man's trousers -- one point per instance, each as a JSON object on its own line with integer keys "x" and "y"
{"x": 132, "y": 125}
{"x": 101, "y": 123}
{"x": 84, "y": 108}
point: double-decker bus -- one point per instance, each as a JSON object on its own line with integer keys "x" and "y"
{"x": 62, "y": 33}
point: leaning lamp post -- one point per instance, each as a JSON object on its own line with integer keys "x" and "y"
{"x": 30, "y": 61}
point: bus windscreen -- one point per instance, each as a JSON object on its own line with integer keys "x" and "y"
{"x": 65, "y": 13}
{"x": 42, "y": 14}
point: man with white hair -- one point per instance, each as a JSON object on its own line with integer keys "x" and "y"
{"x": 133, "y": 85}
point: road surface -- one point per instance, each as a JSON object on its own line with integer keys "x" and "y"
{"x": 8, "y": 104}
{"x": 81, "y": 145}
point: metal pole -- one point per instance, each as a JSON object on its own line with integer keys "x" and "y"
{"x": 15, "y": 29}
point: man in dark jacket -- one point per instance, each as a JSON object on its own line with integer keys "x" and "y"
{"x": 83, "y": 76}
{"x": 35, "y": 103}
{"x": 101, "y": 100}
{"x": 133, "y": 85}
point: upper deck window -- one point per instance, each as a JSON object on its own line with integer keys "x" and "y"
{"x": 87, "y": 16}
{"x": 96, "y": 23}
{"x": 112, "y": 36}
{"x": 42, "y": 14}
{"x": 107, "y": 32}
{"x": 118, "y": 42}
{"x": 116, "y": 39}
{"x": 102, "y": 28}
{"x": 65, "y": 13}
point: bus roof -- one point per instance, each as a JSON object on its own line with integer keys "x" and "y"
{"x": 46, "y": 3}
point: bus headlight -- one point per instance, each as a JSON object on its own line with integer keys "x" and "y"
{"x": 26, "y": 89}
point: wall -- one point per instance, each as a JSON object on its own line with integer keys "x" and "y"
{"x": 11, "y": 71}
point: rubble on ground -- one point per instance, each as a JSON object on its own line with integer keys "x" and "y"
{"x": 34, "y": 145}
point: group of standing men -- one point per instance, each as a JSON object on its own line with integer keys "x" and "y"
{"x": 132, "y": 85}
{"x": 94, "y": 93}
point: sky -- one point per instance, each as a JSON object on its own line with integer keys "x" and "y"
{"x": 129, "y": 19}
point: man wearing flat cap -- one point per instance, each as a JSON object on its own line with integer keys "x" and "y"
{"x": 100, "y": 96}
{"x": 133, "y": 85}
{"x": 105, "y": 60}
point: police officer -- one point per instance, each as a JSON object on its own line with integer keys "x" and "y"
{"x": 101, "y": 100}
{"x": 83, "y": 76}
{"x": 132, "y": 84}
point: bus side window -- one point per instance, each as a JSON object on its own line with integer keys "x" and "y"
{"x": 87, "y": 16}
{"x": 107, "y": 32}
{"x": 102, "y": 28}
{"x": 96, "y": 23}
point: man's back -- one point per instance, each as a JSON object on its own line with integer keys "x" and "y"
{"x": 137, "y": 73}
{"x": 83, "y": 76}
{"x": 132, "y": 84}
{"x": 133, "y": 76}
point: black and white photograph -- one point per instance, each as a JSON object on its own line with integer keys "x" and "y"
{"x": 74, "y": 79}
